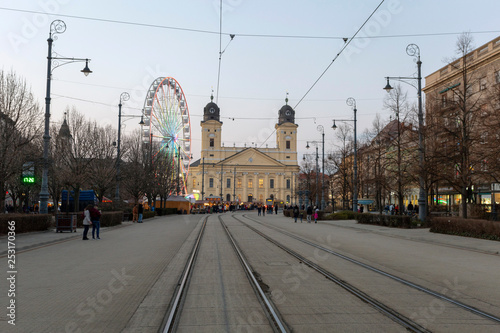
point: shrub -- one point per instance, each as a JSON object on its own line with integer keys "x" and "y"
{"x": 342, "y": 215}
{"x": 396, "y": 221}
{"x": 109, "y": 219}
{"x": 148, "y": 214}
{"x": 25, "y": 222}
{"x": 466, "y": 227}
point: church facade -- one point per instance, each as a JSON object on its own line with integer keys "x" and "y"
{"x": 246, "y": 175}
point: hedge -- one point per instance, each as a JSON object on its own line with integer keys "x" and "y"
{"x": 466, "y": 227}
{"x": 342, "y": 215}
{"x": 25, "y": 222}
{"x": 396, "y": 221}
{"x": 165, "y": 211}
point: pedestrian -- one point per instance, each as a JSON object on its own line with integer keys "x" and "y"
{"x": 316, "y": 213}
{"x": 276, "y": 209}
{"x": 295, "y": 213}
{"x": 95, "y": 216}
{"x": 86, "y": 221}
{"x": 410, "y": 207}
{"x": 309, "y": 213}
{"x": 140, "y": 211}
{"x": 264, "y": 210}
{"x": 259, "y": 209}
{"x": 135, "y": 213}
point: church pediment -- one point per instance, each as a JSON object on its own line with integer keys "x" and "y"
{"x": 249, "y": 157}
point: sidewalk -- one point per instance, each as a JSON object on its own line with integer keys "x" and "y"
{"x": 423, "y": 235}
{"x": 25, "y": 241}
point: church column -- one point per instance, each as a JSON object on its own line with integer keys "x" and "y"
{"x": 244, "y": 185}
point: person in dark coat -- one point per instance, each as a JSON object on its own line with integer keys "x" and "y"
{"x": 309, "y": 214}
{"x": 295, "y": 213}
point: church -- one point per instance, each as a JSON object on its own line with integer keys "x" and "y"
{"x": 246, "y": 175}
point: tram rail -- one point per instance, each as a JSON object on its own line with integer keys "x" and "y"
{"x": 440, "y": 296}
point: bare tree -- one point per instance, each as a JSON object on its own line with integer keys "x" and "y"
{"x": 80, "y": 153}
{"x": 102, "y": 170}
{"x": 134, "y": 179}
{"x": 20, "y": 126}
{"x": 396, "y": 101}
{"x": 458, "y": 111}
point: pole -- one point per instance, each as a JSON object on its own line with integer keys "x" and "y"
{"x": 203, "y": 179}
{"x": 355, "y": 186}
{"x": 422, "y": 196}
{"x": 178, "y": 170}
{"x": 413, "y": 50}
{"x": 323, "y": 172}
{"x": 117, "y": 192}
{"x": 317, "y": 182}
{"x": 44, "y": 192}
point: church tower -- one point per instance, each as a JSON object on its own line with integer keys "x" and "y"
{"x": 211, "y": 133}
{"x": 286, "y": 134}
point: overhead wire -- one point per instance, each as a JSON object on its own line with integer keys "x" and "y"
{"x": 159, "y": 26}
{"x": 346, "y": 44}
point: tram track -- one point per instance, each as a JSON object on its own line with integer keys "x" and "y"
{"x": 396, "y": 316}
{"x": 172, "y": 318}
{"x": 405, "y": 282}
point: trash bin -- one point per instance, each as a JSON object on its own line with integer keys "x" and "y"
{"x": 66, "y": 223}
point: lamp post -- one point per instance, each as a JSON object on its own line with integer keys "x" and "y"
{"x": 414, "y": 51}
{"x": 317, "y": 157}
{"x": 352, "y": 102}
{"x": 123, "y": 97}
{"x": 321, "y": 129}
{"x": 56, "y": 27}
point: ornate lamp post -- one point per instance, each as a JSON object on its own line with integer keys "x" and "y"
{"x": 317, "y": 157}
{"x": 56, "y": 27}
{"x": 414, "y": 51}
{"x": 352, "y": 102}
{"x": 321, "y": 129}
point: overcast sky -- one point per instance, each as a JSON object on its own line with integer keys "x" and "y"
{"x": 265, "y": 60}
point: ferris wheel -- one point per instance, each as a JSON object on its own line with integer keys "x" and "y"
{"x": 167, "y": 125}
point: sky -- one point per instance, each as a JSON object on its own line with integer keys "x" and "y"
{"x": 280, "y": 47}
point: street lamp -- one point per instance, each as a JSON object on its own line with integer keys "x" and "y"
{"x": 56, "y": 27}
{"x": 321, "y": 129}
{"x": 414, "y": 51}
{"x": 317, "y": 156}
{"x": 352, "y": 102}
{"x": 123, "y": 97}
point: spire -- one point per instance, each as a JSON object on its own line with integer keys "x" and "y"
{"x": 212, "y": 96}
{"x": 286, "y": 98}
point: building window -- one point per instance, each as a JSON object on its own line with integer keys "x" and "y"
{"x": 261, "y": 183}
{"x": 288, "y": 198}
{"x": 482, "y": 83}
{"x": 228, "y": 182}
{"x": 238, "y": 183}
{"x": 211, "y": 183}
{"x": 271, "y": 183}
{"x": 228, "y": 197}
{"x": 443, "y": 101}
{"x": 250, "y": 183}
{"x": 212, "y": 142}
{"x": 194, "y": 182}
{"x": 287, "y": 144}
{"x": 288, "y": 183}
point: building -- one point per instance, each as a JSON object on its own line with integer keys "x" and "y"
{"x": 247, "y": 174}
{"x": 462, "y": 104}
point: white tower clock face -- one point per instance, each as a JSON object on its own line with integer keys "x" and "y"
{"x": 212, "y": 110}
{"x": 288, "y": 113}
